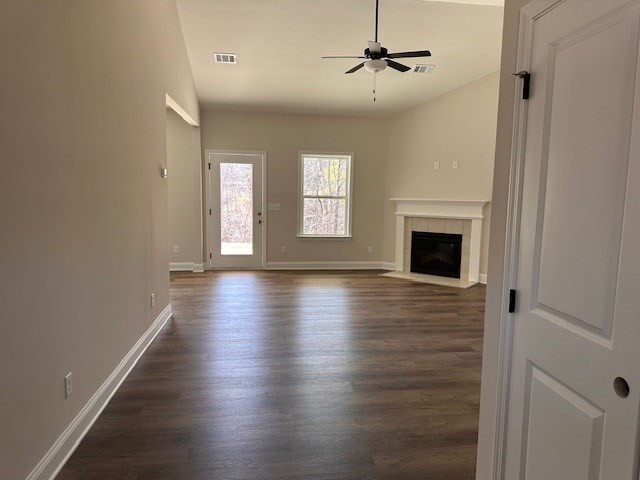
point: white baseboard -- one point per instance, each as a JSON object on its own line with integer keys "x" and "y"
{"x": 64, "y": 446}
{"x": 482, "y": 278}
{"x": 181, "y": 266}
{"x": 391, "y": 266}
{"x": 325, "y": 266}
{"x": 186, "y": 267}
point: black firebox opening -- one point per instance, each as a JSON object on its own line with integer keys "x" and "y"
{"x": 436, "y": 253}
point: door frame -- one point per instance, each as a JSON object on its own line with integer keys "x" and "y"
{"x": 209, "y": 203}
{"x": 528, "y": 15}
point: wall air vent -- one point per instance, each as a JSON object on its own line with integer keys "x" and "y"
{"x": 225, "y": 58}
{"x": 423, "y": 68}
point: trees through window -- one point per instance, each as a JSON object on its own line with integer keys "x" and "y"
{"x": 325, "y": 195}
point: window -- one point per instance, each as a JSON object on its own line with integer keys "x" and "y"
{"x": 325, "y": 195}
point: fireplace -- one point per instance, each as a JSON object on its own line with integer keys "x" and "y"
{"x": 457, "y": 217}
{"x": 436, "y": 253}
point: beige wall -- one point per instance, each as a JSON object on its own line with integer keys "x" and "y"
{"x": 184, "y": 190}
{"x": 282, "y": 137}
{"x": 460, "y": 126}
{"x": 83, "y": 209}
{"x": 495, "y": 288}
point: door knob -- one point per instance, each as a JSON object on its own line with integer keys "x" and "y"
{"x": 621, "y": 387}
{"x": 260, "y": 221}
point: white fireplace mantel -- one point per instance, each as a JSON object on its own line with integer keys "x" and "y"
{"x": 434, "y": 208}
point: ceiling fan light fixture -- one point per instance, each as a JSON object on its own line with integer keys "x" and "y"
{"x": 375, "y": 66}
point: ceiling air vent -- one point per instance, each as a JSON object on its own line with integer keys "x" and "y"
{"x": 423, "y": 68}
{"x": 225, "y": 57}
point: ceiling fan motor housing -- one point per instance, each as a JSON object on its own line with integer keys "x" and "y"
{"x": 375, "y": 55}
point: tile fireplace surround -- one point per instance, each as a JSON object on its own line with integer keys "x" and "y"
{"x": 439, "y": 216}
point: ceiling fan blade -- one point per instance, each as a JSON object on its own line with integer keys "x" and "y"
{"x": 345, "y": 56}
{"x": 419, "y": 53}
{"x": 355, "y": 69}
{"x": 398, "y": 66}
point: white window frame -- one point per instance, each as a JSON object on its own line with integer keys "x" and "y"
{"x": 348, "y": 197}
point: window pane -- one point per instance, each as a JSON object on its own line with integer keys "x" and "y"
{"x": 324, "y": 216}
{"x": 325, "y": 176}
{"x": 236, "y": 209}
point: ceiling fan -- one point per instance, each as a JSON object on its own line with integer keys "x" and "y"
{"x": 377, "y": 58}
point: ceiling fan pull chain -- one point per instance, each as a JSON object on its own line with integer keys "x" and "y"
{"x": 375, "y": 76}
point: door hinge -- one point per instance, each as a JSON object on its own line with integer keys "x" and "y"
{"x": 526, "y": 81}
{"x": 209, "y": 211}
{"x": 512, "y": 301}
{"x": 209, "y": 165}
{"x": 210, "y": 256}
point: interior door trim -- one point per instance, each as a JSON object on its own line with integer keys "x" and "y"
{"x": 209, "y": 203}
{"x": 528, "y": 15}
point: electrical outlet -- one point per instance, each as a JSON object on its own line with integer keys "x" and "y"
{"x": 68, "y": 385}
{"x": 176, "y": 249}
{"x": 153, "y": 300}
{"x": 456, "y": 164}
{"x": 283, "y": 249}
{"x": 370, "y": 249}
{"x": 436, "y": 165}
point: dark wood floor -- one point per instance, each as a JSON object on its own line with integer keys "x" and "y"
{"x": 298, "y": 375}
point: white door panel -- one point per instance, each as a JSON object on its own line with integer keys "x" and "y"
{"x": 583, "y": 200}
{"x": 571, "y": 452}
{"x": 577, "y": 323}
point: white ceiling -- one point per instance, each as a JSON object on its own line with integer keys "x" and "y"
{"x": 279, "y": 44}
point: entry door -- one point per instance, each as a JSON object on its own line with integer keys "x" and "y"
{"x": 236, "y": 209}
{"x": 575, "y": 376}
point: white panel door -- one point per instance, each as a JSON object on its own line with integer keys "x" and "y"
{"x": 236, "y": 226}
{"x": 577, "y": 320}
